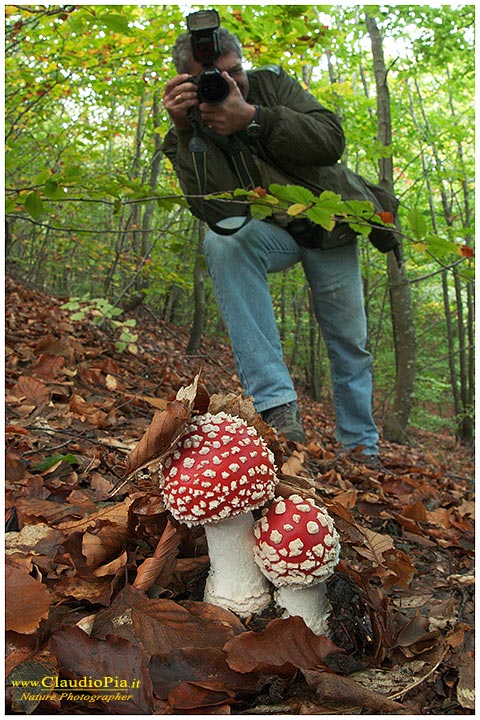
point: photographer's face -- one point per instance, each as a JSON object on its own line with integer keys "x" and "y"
{"x": 230, "y": 63}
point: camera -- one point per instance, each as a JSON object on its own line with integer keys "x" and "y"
{"x": 203, "y": 25}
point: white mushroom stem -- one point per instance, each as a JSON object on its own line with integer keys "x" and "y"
{"x": 310, "y": 603}
{"x": 235, "y": 581}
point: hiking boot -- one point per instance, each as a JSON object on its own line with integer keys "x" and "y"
{"x": 286, "y": 419}
{"x": 371, "y": 461}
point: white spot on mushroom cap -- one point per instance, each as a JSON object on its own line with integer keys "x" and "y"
{"x": 295, "y": 547}
{"x": 276, "y": 537}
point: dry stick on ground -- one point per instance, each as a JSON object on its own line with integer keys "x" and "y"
{"x": 340, "y": 690}
{"x": 400, "y": 693}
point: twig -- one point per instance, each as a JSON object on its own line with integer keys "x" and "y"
{"x": 400, "y": 693}
{"x": 74, "y": 436}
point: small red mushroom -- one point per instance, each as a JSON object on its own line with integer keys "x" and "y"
{"x": 218, "y": 473}
{"x": 297, "y": 548}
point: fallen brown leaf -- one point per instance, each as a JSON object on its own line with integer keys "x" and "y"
{"x": 164, "y": 429}
{"x": 32, "y": 390}
{"x": 163, "y": 557}
{"x": 193, "y": 696}
{"x": 284, "y": 645}
{"x": 81, "y": 656}
{"x": 27, "y": 601}
{"x": 166, "y": 625}
{"x": 198, "y": 665}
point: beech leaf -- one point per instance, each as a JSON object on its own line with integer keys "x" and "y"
{"x": 199, "y": 665}
{"x": 165, "y": 625}
{"x": 164, "y": 430}
{"x": 164, "y": 554}
{"x": 27, "y": 601}
{"x": 376, "y": 546}
{"x": 81, "y": 656}
{"x": 31, "y": 390}
{"x": 285, "y": 644}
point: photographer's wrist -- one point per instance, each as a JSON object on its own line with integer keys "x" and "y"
{"x": 252, "y": 111}
{"x": 254, "y": 127}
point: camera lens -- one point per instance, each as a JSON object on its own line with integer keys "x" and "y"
{"x": 212, "y": 87}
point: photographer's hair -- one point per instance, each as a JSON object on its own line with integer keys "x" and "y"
{"x": 182, "y": 50}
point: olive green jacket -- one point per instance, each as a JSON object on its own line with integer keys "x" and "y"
{"x": 300, "y": 143}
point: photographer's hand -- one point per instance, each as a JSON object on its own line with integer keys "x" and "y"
{"x": 230, "y": 116}
{"x": 179, "y": 96}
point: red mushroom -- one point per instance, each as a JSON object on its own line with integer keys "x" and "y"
{"x": 218, "y": 473}
{"x": 297, "y": 548}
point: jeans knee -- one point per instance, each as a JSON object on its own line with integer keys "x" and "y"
{"x": 219, "y": 251}
{"x": 211, "y": 243}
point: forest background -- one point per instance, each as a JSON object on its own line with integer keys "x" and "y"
{"x": 94, "y": 213}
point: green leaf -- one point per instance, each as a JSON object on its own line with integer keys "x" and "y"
{"x": 292, "y": 193}
{"x": 417, "y": 223}
{"x": 441, "y": 247}
{"x": 116, "y": 23}
{"x": 171, "y": 202}
{"x": 73, "y": 172}
{"x": 33, "y": 205}
{"x": 52, "y": 189}
{"x": 359, "y": 208}
{"x": 10, "y": 204}
{"x": 260, "y": 212}
{"x": 71, "y": 304}
{"x": 127, "y": 336}
{"x": 42, "y": 176}
{"x": 331, "y": 200}
{"x": 52, "y": 460}
{"x": 321, "y": 217}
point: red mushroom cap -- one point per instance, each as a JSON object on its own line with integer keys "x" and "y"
{"x": 296, "y": 542}
{"x": 219, "y": 468}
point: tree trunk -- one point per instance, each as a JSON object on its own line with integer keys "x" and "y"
{"x": 314, "y": 364}
{"x": 198, "y": 294}
{"x": 398, "y": 414}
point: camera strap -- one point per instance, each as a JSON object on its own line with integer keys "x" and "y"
{"x": 198, "y": 149}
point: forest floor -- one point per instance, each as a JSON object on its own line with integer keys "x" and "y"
{"x": 104, "y": 591}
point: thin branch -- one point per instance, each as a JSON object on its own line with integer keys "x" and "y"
{"x": 441, "y": 269}
{"x": 419, "y": 681}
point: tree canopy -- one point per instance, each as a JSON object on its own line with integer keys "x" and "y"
{"x": 94, "y": 209}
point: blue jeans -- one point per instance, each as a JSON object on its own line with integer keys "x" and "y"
{"x": 239, "y": 265}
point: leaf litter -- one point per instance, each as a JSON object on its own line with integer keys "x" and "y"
{"x": 101, "y": 581}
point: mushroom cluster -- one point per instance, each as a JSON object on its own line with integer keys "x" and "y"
{"x": 218, "y": 473}
{"x": 297, "y": 548}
